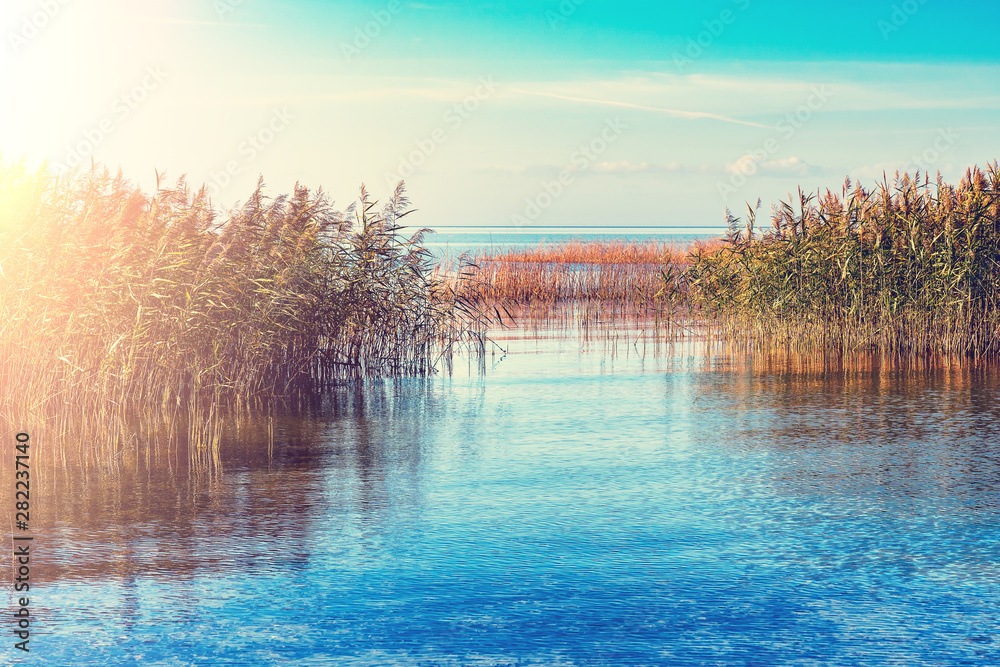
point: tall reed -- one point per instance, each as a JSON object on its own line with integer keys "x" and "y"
{"x": 909, "y": 267}
{"x": 619, "y": 278}
{"x": 118, "y": 307}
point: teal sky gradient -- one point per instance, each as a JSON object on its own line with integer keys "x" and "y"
{"x": 488, "y": 109}
{"x": 651, "y": 31}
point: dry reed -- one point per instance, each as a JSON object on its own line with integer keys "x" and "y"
{"x": 620, "y": 278}
{"x": 122, "y": 313}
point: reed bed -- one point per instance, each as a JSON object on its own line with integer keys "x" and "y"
{"x": 123, "y": 313}
{"x": 618, "y": 278}
{"x": 617, "y": 252}
{"x": 906, "y": 268}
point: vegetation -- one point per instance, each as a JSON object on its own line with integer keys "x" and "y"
{"x": 911, "y": 267}
{"x": 117, "y": 306}
{"x": 614, "y": 278}
{"x": 907, "y": 268}
{"x": 122, "y": 312}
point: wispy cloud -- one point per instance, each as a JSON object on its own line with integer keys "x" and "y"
{"x": 642, "y": 107}
{"x": 790, "y": 166}
{"x": 167, "y": 20}
{"x": 619, "y": 168}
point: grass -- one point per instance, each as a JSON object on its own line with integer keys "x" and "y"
{"x": 910, "y": 267}
{"x": 121, "y": 310}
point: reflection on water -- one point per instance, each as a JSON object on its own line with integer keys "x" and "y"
{"x": 579, "y": 504}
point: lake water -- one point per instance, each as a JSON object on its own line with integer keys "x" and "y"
{"x": 601, "y": 503}
{"x": 454, "y": 241}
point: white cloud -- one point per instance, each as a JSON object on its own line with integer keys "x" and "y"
{"x": 620, "y": 168}
{"x": 748, "y": 165}
{"x": 625, "y": 167}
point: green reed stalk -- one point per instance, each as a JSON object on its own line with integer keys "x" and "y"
{"x": 910, "y": 268}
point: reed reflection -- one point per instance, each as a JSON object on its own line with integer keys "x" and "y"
{"x": 916, "y": 425}
{"x": 352, "y": 464}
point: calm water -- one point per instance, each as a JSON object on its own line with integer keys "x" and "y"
{"x": 575, "y": 505}
{"x": 451, "y": 242}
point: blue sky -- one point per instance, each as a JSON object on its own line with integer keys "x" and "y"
{"x": 537, "y": 114}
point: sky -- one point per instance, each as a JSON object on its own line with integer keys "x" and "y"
{"x": 554, "y": 113}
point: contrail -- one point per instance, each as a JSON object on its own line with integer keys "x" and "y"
{"x": 629, "y": 105}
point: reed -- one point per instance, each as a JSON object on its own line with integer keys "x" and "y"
{"x": 906, "y": 268}
{"x": 122, "y": 312}
{"x": 618, "y": 278}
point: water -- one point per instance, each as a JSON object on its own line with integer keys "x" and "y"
{"x": 579, "y": 504}
{"x": 452, "y": 242}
